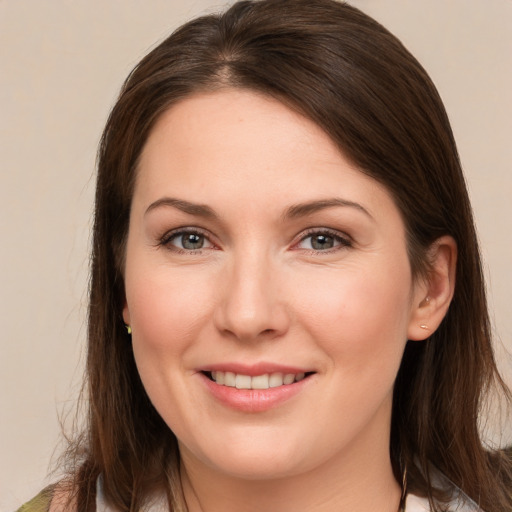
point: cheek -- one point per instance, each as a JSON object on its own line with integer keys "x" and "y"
{"x": 166, "y": 311}
{"x": 359, "y": 316}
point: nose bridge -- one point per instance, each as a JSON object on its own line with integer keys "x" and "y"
{"x": 251, "y": 305}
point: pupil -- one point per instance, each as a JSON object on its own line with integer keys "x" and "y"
{"x": 322, "y": 242}
{"x": 192, "y": 241}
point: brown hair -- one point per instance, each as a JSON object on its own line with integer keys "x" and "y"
{"x": 348, "y": 74}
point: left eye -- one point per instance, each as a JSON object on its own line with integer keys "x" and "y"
{"x": 322, "y": 241}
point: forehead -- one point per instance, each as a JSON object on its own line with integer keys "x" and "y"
{"x": 234, "y": 145}
{"x": 232, "y": 119}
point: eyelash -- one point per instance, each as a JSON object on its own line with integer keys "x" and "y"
{"x": 342, "y": 241}
{"x": 165, "y": 241}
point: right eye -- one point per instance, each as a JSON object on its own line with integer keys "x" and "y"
{"x": 186, "y": 240}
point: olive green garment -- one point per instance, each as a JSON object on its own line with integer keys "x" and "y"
{"x": 41, "y": 503}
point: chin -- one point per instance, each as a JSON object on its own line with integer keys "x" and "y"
{"x": 258, "y": 469}
{"x": 252, "y": 459}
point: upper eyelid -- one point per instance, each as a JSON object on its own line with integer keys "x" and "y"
{"x": 185, "y": 229}
{"x": 321, "y": 230}
{"x": 169, "y": 235}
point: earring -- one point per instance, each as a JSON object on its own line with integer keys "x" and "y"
{"x": 424, "y": 326}
{"x": 128, "y": 329}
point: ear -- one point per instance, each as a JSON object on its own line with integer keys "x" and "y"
{"x": 434, "y": 293}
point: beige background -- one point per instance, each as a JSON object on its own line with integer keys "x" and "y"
{"x": 62, "y": 63}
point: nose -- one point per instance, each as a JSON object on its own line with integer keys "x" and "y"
{"x": 252, "y": 304}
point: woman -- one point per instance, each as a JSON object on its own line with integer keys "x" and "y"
{"x": 287, "y": 309}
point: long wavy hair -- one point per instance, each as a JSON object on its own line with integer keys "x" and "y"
{"x": 349, "y": 75}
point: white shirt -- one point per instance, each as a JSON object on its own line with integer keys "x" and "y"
{"x": 460, "y": 504}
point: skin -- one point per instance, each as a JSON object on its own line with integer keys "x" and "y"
{"x": 259, "y": 291}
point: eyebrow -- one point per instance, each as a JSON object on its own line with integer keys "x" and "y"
{"x": 200, "y": 210}
{"x": 293, "y": 212}
{"x": 304, "y": 209}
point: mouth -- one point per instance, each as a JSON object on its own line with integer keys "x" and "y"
{"x": 255, "y": 382}
{"x": 255, "y": 388}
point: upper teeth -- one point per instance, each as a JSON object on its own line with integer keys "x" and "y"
{"x": 268, "y": 380}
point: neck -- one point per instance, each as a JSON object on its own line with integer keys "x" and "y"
{"x": 356, "y": 480}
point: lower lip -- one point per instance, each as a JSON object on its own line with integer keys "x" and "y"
{"x": 253, "y": 400}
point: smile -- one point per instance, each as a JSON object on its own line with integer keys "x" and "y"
{"x": 255, "y": 388}
{"x": 264, "y": 381}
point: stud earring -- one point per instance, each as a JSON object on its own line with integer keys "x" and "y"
{"x": 424, "y": 326}
{"x": 128, "y": 329}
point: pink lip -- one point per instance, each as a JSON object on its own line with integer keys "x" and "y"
{"x": 253, "y": 400}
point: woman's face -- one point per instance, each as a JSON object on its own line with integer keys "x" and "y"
{"x": 260, "y": 258}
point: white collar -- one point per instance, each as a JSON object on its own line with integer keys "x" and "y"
{"x": 459, "y": 504}
{"x": 416, "y": 504}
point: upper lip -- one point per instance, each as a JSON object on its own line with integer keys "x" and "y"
{"x": 253, "y": 370}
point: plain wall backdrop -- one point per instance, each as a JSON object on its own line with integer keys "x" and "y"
{"x": 61, "y": 65}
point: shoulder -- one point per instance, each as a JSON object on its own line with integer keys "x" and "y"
{"x": 40, "y": 503}
{"x": 54, "y": 498}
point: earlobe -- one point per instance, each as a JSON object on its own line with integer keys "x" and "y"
{"x": 126, "y": 318}
{"x": 434, "y": 295}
